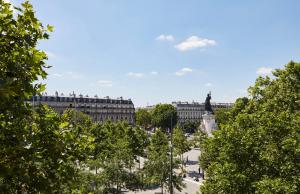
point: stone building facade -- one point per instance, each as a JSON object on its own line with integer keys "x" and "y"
{"x": 99, "y": 109}
{"x": 194, "y": 111}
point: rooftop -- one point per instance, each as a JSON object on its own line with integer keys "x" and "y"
{"x": 80, "y": 99}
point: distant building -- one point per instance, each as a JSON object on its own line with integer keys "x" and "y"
{"x": 148, "y": 108}
{"x": 99, "y": 109}
{"x": 194, "y": 111}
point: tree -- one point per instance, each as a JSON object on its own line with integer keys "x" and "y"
{"x": 180, "y": 143}
{"x": 257, "y": 149}
{"x": 190, "y": 126}
{"x": 117, "y": 149}
{"x": 20, "y": 65}
{"x": 140, "y": 142}
{"x": 224, "y": 115}
{"x": 143, "y": 118}
{"x": 163, "y": 115}
{"x": 21, "y": 62}
{"x": 199, "y": 137}
{"x": 50, "y": 154}
{"x": 157, "y": 167}
{"x": 111, "y": 155}
{"x": 40, "y": 151}
{"x": 76, "y": 128}
{"x": 221, "y": 116}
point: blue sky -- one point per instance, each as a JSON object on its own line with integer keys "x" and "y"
{"x": 156, "y": 51}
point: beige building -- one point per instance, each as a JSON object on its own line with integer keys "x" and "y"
{"x": 99, "y": 109}
{"x": 194, "y": 111}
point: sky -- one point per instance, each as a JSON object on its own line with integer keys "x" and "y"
{"x": 155, "y": 51}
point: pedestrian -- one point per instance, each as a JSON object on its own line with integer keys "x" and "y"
{"x": 199, "y": 170}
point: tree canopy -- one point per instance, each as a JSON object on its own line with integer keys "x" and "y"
{"x": 189, "y": 126}
{"x": 257, "y": 149}
{"x": 117, "y": 150}
{"x": 180, "y": 143}
{"x": 163, "y": 115}
{"x": 157, "y": 165}
{"x": 143, "y": 118}
{"x": 224, "y": 115}
{"x": 40, "y": 150}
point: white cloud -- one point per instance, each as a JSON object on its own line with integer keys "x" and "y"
{"x": 138, "y": 75}
{"x": 57, "y": 75}
{"x": 264, "y": 71}
{"x": 154, "y": 73}
{"x": 68, "y": 75}
{"x": 183, "y": 71}
{"x": 164, "y": 37}
{"x": 208, "y": 84}
{"x": 74, "y": 75}
{"x": 194, "y": 42}
{"x": 104, "y": 83}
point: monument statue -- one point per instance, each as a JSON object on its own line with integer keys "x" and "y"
{"x": 207, "y": 104}
{"x": 208, "y": 124}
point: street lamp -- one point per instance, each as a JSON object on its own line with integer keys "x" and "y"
{"x": 171, "y": 155}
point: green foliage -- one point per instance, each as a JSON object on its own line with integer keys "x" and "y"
{"x": 180, "y": 144}
{"x": 157, "y": 167}
{"x": 257, "y": 149}
{"x": 40, "y": 151}
{"x": 163, "y": 115}
{"x": 199, "y": 138}
{"x": 46, "y": 158}
{"x": 139, "y": 141}
{"x": 76, "y": 130}
{"x": 117, "y": 150}
{"x": 143, "y": 118}
{"x": 224, "y": 115}
{"x": 190, "y": 126}
{"x": 21, "y": 62}
{"x": 180, "y": 141}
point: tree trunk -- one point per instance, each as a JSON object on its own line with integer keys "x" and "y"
{"x": 96, "y": 181}
{"x": 139, "y": 163}
{"x": 182, "y": 162}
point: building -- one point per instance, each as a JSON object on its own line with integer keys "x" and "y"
{"x": 149, "y": 107}
{"x": 193, "y": 111}
{"x": 99, "y": 109}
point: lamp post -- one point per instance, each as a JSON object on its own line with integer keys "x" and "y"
{"x": 171, "y": 155}
{"x": 33, "y": 102}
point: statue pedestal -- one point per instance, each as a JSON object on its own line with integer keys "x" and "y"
{"x": 208, "y": 124}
